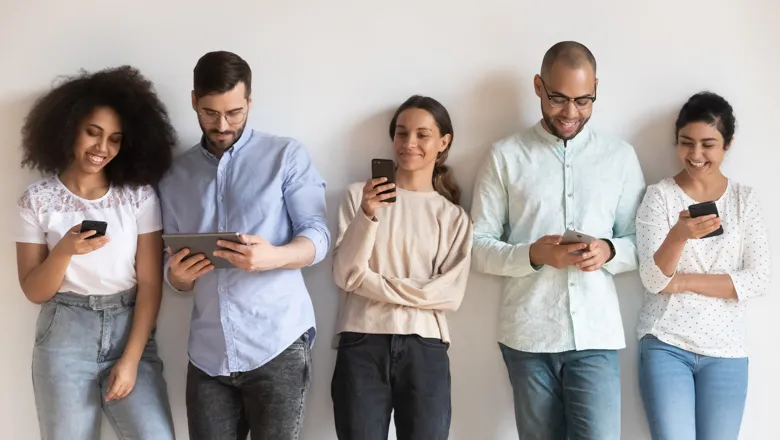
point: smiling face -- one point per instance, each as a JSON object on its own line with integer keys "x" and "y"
{"x": 700, "y": 149}
{"x": 418, "y": 140}
{"x": 566, "y": 95}
{"x": 98, "y": 141}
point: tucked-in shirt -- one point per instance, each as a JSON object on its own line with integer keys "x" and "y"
{"x": 531, "y": 185}
{"x": 264, "y": 185}
{"x": 48, "y": 210}
{"x": 691, "y": 321}
{"x": 400, "y": 273}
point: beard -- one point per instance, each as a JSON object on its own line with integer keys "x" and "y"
{"x": 550, "y": 122}
{"x": 220, "y": 146}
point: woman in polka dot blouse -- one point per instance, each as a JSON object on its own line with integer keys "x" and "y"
{"x": 693, "y": 368}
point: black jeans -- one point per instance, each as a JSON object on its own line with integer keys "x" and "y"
{"x": 266, "y": 402}
{"x": 376, "y": 374}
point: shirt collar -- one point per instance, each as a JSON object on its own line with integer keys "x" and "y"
{"x": 240, "y": 143}
{"x": 550, "y": 139}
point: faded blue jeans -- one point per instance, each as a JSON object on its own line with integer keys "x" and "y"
{"x": 689, "y": 396}
{"x": 573, "y": 395}
{"x": 78, "y": 339}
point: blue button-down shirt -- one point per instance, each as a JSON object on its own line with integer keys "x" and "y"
{"x": 264, "y": 185}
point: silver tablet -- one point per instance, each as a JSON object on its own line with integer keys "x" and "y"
{"x": 204, "y": 243}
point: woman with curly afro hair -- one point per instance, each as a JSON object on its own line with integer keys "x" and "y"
{"x": 102, "y": 140}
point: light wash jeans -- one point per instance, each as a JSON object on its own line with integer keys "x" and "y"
{"x": 689, "y": 396}
{"x": 78, "y": 339}
{"x": 573, "y": 395}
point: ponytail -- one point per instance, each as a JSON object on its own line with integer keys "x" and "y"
{"x": 444, "y": 179}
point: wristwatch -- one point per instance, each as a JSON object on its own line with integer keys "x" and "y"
{"x": 611, "y": 249}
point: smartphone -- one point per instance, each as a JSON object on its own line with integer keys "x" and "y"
{"x": 573, "y": 236}
{"x": 94, "y": 225}
{"x": 706, "y": 208}
{"x": 384, "y": 168}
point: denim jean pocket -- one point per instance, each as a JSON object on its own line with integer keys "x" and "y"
{"x": 431, "y": 342}
{"x": 47, "y": 317}
{"x": 352, "y": 339}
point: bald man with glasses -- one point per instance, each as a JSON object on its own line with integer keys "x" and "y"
{"x": 560, "y": 325}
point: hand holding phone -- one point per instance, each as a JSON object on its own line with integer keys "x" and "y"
{"x": 384, "y": 168}
{"x": 76, "y": 242}
{"x": 572, "y": 236}
{"x": 551, "y": 251}
{"x": 99, "y": 227}
{"x": 380, "y": 190}
{"x": 701, "y": 220}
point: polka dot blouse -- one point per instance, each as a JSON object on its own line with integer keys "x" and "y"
{"x": 693, "y": 322}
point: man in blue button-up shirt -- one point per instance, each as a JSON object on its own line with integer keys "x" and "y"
{"x": 253, "y": 325}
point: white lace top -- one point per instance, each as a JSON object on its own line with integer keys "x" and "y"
{"x": 697, "y": 323}
{"x": 47, "y": 210}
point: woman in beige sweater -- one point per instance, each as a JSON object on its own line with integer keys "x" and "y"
{"x": 401, "y": 265}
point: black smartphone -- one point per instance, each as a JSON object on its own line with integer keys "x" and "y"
{"x": 94, "y": 225}
{"x": 384, "y": 168}
{"x": 706, "y": 208}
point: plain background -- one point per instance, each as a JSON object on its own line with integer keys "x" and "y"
{"x": 331, "y": 73}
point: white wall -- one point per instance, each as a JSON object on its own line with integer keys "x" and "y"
{"x": 331, "y": 73}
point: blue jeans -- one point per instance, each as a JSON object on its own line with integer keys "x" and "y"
{"x": 78, "y": 339}
{"x": 573, "y": 395}
{"x": 689, "y": 396}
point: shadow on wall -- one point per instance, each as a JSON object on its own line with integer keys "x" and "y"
{"x": 479, "y": 380}
{"x": 654, "y": 143}
{"x": 654, "y": 146}
{"x": 369, "y": 139}
{"x": 17, "y": 313}
{"x": 492, "y": 112}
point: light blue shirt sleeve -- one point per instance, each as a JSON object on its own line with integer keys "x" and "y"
{"x": 489, "y": 212}
{"x": 624, "y": 229}
{"x": 304, "y": 196}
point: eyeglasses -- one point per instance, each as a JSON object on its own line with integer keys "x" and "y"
{"x": 559, "y": 100}
{"x": 233, "y": 117}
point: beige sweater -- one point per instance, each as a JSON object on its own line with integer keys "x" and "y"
{"x": 401, "y": 272}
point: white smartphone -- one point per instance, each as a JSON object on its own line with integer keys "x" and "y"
{"x": 572, "y": 236}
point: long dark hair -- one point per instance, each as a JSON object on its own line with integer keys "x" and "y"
{"x": 443, "y": 179}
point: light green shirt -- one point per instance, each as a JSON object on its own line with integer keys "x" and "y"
{"x": 532, "y": 185}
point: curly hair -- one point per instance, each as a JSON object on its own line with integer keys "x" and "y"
{"x": 146, "y": 151}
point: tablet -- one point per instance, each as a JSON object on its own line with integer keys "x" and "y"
{"x": 204, "y": 243}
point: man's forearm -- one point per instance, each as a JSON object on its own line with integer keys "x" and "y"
{"x": 296, "y": 254}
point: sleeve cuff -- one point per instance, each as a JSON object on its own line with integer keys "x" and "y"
{"x": 654, "y": 280}
{"x": 520, "y": 257}
{"x": 625, "y": 258}
{"x": 320, "y": 242}
{"x": 165, "y": 277}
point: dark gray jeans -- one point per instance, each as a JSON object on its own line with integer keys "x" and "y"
{"x": 266, "y": 403}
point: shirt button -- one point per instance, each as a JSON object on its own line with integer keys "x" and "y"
{"x": 571, "y": 284}
{"x": 568, "y": 166}
{"x": 222, "y": 289}
{"x": 570, "y": 195}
